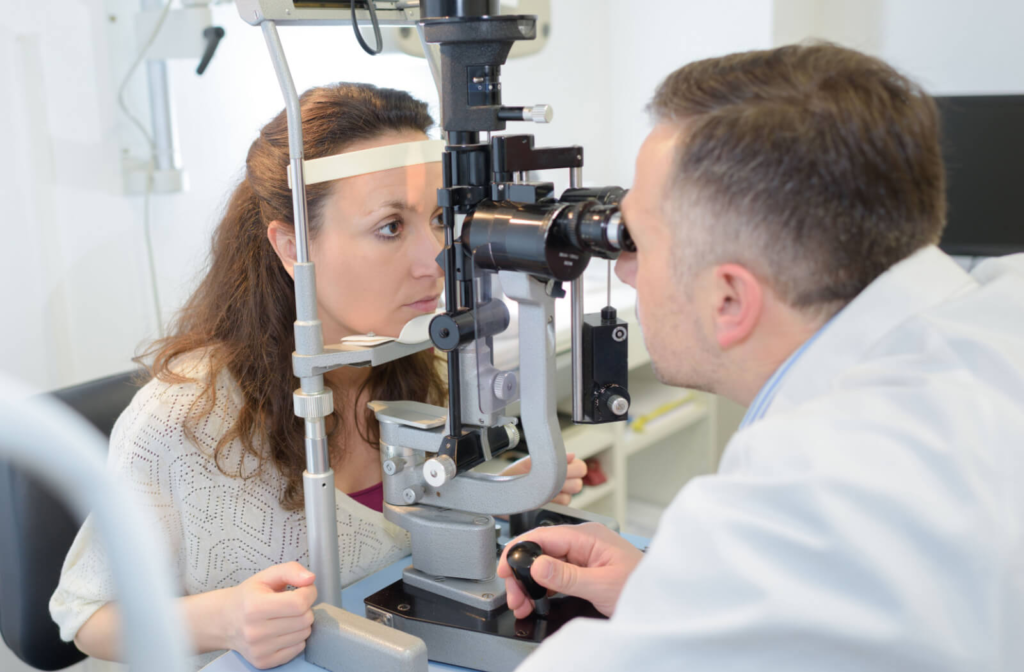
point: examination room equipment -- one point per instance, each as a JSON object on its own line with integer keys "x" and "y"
{"x": 31, "y": 426}
{"x": 510, "y": 245}
{"x": 983, "y": 149}
{"x": 38, "y": 529}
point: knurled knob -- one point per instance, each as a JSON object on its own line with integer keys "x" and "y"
{"x": 505, "y": 385}
{"x": 310, "y": 406}
{"x": 439, "y": 470}
{"x": 539, "y": 114}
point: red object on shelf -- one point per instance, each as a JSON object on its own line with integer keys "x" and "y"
{"x": 595, "y": 474}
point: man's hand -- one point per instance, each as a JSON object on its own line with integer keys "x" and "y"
{"x": 588, "y": 561}
{"x": 269, "y": 624}
{"x": 574, "y": 474}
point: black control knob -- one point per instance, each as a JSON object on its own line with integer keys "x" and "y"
{"x": 520, "y": 559}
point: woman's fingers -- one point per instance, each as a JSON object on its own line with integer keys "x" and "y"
{"x": 576, "y": 468}
{"x": 281, "y": 656}
{"x": 572, "y": 486}
{"x": 277, "y": 627}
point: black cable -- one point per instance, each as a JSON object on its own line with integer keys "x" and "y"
{"x": 376, "y": 28}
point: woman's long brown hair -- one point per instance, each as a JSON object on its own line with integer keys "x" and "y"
{"x": 241, "y": 316}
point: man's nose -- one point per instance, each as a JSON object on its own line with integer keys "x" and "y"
{"x": 625, "y": 268}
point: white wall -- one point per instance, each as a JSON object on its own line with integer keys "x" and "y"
{"x": 951, "y": 47}
{"x": 648, "y": 40}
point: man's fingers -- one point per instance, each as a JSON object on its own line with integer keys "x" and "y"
{"x": 523, "y": 611}
{"x": 563, "y": 499}
{"x": 575, "y": 543}
{"x": 515, "y": 597}
{"x": 561, "y": 577}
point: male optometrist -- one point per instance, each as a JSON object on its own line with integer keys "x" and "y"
{"x": 869, "y": 513}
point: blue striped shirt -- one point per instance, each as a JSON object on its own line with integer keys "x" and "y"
{"x": 766, "y": 395}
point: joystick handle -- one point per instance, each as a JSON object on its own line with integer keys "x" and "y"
{"x": 520, "y": 559}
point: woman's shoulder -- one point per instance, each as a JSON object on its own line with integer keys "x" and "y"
{"x": 190, "y": 405}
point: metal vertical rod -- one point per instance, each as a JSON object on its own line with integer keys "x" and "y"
{"x": 432, "y": 52}
{"x": 576, "y": 325}
{"x": 318, "y": 479}
{"x": 160, "y": 115}
{"x": 451, "y": 300}
{"x": 295, "y": 152}
{"x": 160, "y": 105}
{"x": 609, "y": 302}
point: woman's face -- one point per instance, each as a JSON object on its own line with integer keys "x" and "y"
{"x": 375, "y": 251}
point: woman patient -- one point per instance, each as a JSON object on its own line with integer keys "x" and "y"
{"x": 212, "y": 442}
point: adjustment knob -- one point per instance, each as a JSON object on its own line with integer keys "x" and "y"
{"x": 539, "y": 114}
{"x": 439, "y": 470}
{"x": 514, "y": 437}
{"x": 505, "y": 385}
{"x": 613, "y": 399}
{"x": 618, "y": 405}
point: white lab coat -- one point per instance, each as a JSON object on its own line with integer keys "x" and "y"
{"x": 872, "y": 520}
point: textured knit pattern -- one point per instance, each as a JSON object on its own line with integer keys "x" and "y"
{"x": 220, "y": 528}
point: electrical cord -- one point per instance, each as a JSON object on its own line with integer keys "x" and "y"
{"x": 376, "y": 28}
{"x": 150, "y": 165}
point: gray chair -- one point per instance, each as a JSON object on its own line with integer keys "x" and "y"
{"x": 36, "y": 531}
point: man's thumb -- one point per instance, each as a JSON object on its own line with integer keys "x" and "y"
{"x": 561, "y": 577}
{"x": 278, "y": 577}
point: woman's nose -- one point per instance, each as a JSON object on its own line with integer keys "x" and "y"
{"x": 427, "y": 247}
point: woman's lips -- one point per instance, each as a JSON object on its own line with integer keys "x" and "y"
{"x": 424, "y": 305}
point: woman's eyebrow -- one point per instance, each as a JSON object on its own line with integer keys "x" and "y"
{"x": 394, "y": 204}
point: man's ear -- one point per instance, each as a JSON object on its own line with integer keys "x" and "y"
{"x": 282, "y": 239}
{"x": 738, "y": 302}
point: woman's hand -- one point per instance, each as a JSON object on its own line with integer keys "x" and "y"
{"x": 268, "y": 624}
{"x": 574, "y": 474}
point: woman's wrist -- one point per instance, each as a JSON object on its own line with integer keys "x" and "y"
{"x": 208, "y": 617}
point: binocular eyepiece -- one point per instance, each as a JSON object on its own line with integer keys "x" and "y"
{"x": 553, "y": 240}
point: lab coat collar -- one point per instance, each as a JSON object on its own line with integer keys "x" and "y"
{"x": 922, "y": 280}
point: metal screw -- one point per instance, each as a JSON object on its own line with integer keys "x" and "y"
{"x": 444, "y": 333}
{"x": 487, "y": 596}
{"x": 519, "y": 633}
{"x": 404, "y": 607}
{"x": 481, "y": 521}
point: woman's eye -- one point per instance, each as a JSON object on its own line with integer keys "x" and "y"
{"x": 390, "y": 230}
{"x": 438, "y": 220}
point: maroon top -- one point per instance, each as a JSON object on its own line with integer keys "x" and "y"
{"x": 372, "y": 497}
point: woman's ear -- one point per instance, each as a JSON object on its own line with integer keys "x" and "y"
{"x": 282, "y": 239}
